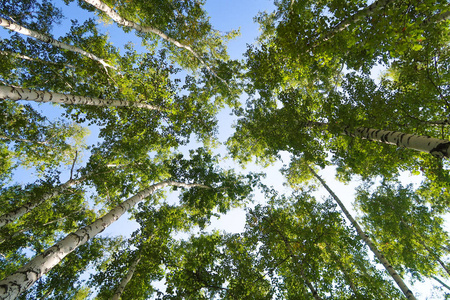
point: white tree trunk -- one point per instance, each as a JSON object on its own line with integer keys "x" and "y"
{"x": 366, "y": 239}
{"x": 42, "y": 37}
{"x": 437, "y": 147}
{"x": 126, "y": 23}
{"x": 147, "y": 29}
{"x": 15, "y": 93}
{"x": 17, "y": 213}
{"x": 23, "y": 278}
{"x": 123, "y": 283}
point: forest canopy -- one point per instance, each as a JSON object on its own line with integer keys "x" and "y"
{"x": 98, "y": 127}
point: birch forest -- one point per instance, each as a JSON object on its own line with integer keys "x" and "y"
{"x": 114, "y": 162}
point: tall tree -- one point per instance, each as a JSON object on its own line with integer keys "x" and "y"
{"x": 13, "y": 93}
{"x": 408, "y": 293}
{"x": 16, "y": 27}
{"x": 298, "y": 237}
{"x": 198, "y": 168}
{"x": 18, "y": 282}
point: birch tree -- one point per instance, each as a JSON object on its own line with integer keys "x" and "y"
{"x": 13, "y": 93}
{"x": 200, "y": 204}
{"x": 187, "y": 28}
{"x": 123, "y": 283}
{"x": 17, "y": 213}
{"x": 130, "y": 274}
{"x": 47, "y": 39}
{"x": 398, "y": 280}
{"x": 16, "y": 283}
{"x": 298, "y": 236}
{"x": 121, "y": 21}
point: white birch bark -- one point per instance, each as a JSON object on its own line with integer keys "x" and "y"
{"x": 23, "y": 278}
{"x": 17, "y": 213}
{"x": 49, "y": 40}
{"x": 147, "y": 29}
{"x": 16, "y": 93}
{"x": 123, "y": 283}
{"x": 403, "y": 287}
{"x": 436, "y": 147}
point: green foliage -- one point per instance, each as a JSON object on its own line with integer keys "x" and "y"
{"x": 408, "y": 232}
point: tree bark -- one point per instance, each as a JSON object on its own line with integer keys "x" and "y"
{"x": 123, "y": 283}
{"x": 406, "y": 291}
{"x": 47, "y": 39}
{"x": 23, "y": 278}
{"x": 15, "y": 93}
{"x": 17, "y": 213}
{"x": 437, "y": 147}
{"x": 147, "y": 29}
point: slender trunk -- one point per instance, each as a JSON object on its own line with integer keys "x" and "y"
{"x": 123, "y": 283}
{"x": 369, "y": 10}
{"x": 440, "y": 281}
{"x": 14, "y": 93}
{"x": 437, "y": 147}
{"x": 17, "y": 213}
{"x": 431, "y": 252}
{"x": 366, "y": 239}
{"x": 147, "y": 29}
{"x": 23, "y": 278}
{"x": 47, "y": 39}
{"x": 8, "y": 53}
